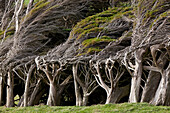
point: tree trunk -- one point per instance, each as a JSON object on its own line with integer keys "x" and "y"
{"x": 39, "y": 90}
{"x": 10, "y": 87}
{"x": 85, "y": 100}
{"x": 166, "y": 95}
{"x": 77, "y": 89}
{"x": 26, "y": 90}
{"x": 1, "y": 90}
{"x": 136, "y": 78}
{"x": 27, "y": 85}
{"x": 53, "y": 96}
{"x": 151, "y": 86}
{"x": 117, "y": 94}
{"x": 162, "y": 94}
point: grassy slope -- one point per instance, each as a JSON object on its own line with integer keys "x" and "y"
{"x": 110, "y": 108}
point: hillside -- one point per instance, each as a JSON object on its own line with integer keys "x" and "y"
{"x": 86, "y": 52}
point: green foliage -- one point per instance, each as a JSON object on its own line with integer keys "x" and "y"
{"x": 41, "y": 4}
{"x": 9, "y": 32}
{"x": 96, "y": 24}
{"x": 109, "y": 108}
{"x": 97, "y": 40}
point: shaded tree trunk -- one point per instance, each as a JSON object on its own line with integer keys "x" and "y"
{"x": 10, "y": 87}
{"x": 151, "y": 86}
{"x": 27, "y": 85}
{"x": 77, "y": 89}
{"x": 1, "y": 90}
{"x": 38, "y": 92}
{"x": 162, "y": 94}
{"x": 119, "y": 93}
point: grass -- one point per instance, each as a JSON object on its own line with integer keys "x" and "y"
{"x": 26, "y": 2}
{"x": 109, "y": 108}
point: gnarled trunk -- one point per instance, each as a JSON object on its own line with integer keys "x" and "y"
{"x": 53, "y": 97}
{"x": 39, "y": 90}
{"x": 151, "y": 86}
{"x": 162, "y": 94}
{"x": 55, "y": 92}
{"x": 136, "y": 78}
{"x": 117, "y": 94}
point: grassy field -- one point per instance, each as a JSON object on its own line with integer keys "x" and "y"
{"x": 110, "y": 108}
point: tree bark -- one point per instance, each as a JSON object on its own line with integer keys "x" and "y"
{"x": 1, "y": 90}
{"x": 27, "y": 85}
{"x": 85, "y": 100}
{"x": 53, "y": 97}
{"x": 151, "y": 86}
{"x": 37, "y": 94}
{"x": 77, "y": 89}
{"x": 162, "y": 94}
{"x": 10, "y": 87}
{"x": 136, "y": 78}
{"x": 119, "y": 93}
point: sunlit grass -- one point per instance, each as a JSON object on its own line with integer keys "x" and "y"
{"x": 109, "y": 108}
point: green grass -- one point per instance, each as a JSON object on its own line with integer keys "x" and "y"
{"x": 109, "y": 108}
{"x": 26, "y": 2}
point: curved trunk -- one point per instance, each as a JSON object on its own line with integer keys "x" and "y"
{"x": 117, "y": 94}
{"x": 151, "y": 86}
{"x": 162, "y": 94}
{"x": 38, "y": 92}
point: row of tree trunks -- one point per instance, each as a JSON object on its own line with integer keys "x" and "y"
{"x": 33, "y": 95}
